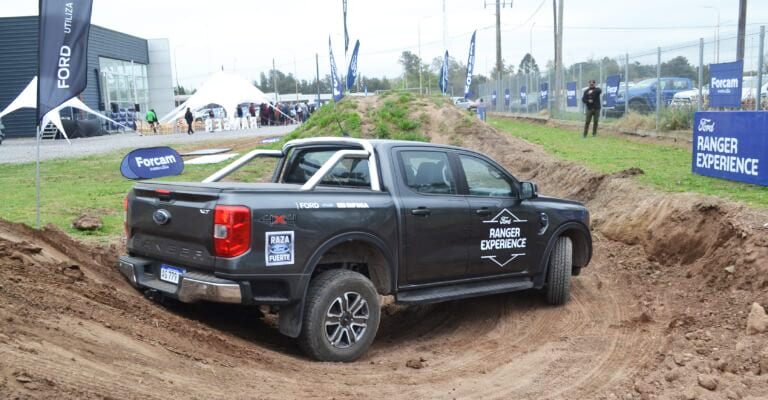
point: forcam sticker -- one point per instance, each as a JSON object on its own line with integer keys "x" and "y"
{"x": 279, "y": 249}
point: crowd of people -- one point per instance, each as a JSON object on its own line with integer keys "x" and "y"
{"x": 281, "y": 113}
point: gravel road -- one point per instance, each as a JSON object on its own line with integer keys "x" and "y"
{"x": 23, "y": 150}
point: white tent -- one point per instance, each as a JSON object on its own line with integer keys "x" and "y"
{"x": 222, "y": 88}
{"x": 28, "y": 99}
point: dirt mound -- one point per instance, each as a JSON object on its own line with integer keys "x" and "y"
{"x": 660, "y": 313}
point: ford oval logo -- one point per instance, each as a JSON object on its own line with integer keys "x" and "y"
{"x": 161, "y": 217}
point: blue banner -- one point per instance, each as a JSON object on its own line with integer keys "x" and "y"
{"x": 151, "y": 162}
{"x": 493, "y": 98}
{"x": 62, "y": 52}
{"x": 443, "y": 82}
{"x": 338, "y": 92}
{"x": 612, "y": 83}
{"x": 570, "y": 94}
{"x": 506, "y": 97}
{"x": 731, "y": 145}
{"x": 470, "y": 66}
{"x": 352, "y": 71}
{"x": 523, "y": 96}
{"x": 725, "y": 84}
{"x": 543, "y": 94}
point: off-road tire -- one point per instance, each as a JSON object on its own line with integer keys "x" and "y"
{"x": 559, "y": 272}
{"x": 638, "y": 106}
{"x": 324, "y": 292}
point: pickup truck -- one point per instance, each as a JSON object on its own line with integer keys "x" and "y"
{"x": 344, "y": 220}
{"x": 642, "y": 95}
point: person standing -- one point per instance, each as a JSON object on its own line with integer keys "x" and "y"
{"x": 591, "y": 99}
{"x": 188, "y": 116}
{"x": 481, "y": 110}
{"x": 152, "y": 119}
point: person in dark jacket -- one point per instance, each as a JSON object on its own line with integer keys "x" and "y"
{"x": 591, "y": 99}
{"x": 188, "y": 116}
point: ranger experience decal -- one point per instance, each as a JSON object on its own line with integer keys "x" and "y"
{"x": 502, "y": 237}
{"x": 279, "y": 248}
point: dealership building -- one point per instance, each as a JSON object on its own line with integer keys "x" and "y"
{"x": 124, "y": 72}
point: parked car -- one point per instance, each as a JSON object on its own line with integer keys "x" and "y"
{"x": 689, "y": 97}
{"x": 345, "y": 220}
{"x": 642, "y": 96}
{"x": 202, "y": 114}
{"x": 749, "y": 87}
{"x": 465, "y": 104}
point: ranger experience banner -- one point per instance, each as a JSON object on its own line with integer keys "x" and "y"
{"x": 470, "y": 66}
{"x": 612, "y": 83}
{"x": 338, "y": 93}
{"x": 543, "y": 94}
{"x": 352, "y": 71}
{"x": 62, "y": 52}
{"x": 725, "y": 84}
{"x": 570, "y": 93}
{"x": 443, "y": 82}
{"x": 731, "y": 145}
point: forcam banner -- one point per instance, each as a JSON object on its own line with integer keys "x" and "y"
{"x": 612, "y": 83}
{"x": 523, "y": 96}
{"x": 731, "y": 145}
{"x": 338, "y": 93}
{"x": 352, "y": 71}
{"x": 470, "y": 66}
{"x": 543, "y": 94}
{"x": 725, "y": 84}
{"x": 506, "y": 97}
{"x": 443, "y": 83}
{"x": 151, "y": 162}
{"x": 63, "y": 45}
{"x": 570, "y": 94}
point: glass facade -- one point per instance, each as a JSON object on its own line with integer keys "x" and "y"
{"x": 124, "y": 83}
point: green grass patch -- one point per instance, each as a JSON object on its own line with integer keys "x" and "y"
{"x": 666, "y": 167}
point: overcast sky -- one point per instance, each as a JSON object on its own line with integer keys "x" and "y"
{"x": 245, "y": 35}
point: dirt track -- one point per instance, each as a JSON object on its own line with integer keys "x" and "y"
{"x": 653, "y": 313}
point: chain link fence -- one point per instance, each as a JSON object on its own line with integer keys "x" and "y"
{"x": 659, "y": 89}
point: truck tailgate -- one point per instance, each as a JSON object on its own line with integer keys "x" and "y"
{"x": 173, "y": 223}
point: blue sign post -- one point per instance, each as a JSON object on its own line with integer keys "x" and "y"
{"x": 570, "y": 93}
{"x": 731, "y": 145}
{"x": 612, "y": 83}
{"x": 523, "y": 96}
{"x": 506, "y": 97}
{"x": 725, "y": 84}
{"x": 493, "y": 98}
{"x": 544, "y": 94}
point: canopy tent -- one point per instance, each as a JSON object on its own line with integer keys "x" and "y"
{"x": 28, "y": 99}
{"x": 223, "y": 88}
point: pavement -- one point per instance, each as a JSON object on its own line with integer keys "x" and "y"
{"x": 23, "y": 150}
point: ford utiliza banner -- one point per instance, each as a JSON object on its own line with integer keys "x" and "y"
{"x": 338, "y": 93}
{"x": 612, "y": 83}
{"x": 732, "y": 145}
{"x": 543, "y": 94}
{"x": 725, "y": 84}
{"x": 523, "y": 96}
{"x": 570, "y": 94}
{"x": 443, "y": 82}
{"x": 62, "y": 51}
{"x": 151, "y": 162}
{"x": 352, "y": 72}
{"x": 506, "y": 97}
{"x": 470, "y": 66}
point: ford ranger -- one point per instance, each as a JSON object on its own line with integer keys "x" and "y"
{"x": 345, "y": 220}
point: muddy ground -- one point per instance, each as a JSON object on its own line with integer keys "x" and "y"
{"x": 660, "y": 313}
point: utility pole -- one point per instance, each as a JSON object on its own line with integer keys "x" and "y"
{"x": 499, "y": 66}
{"x": 559, "y": 56}
{"x": 742, "y": 28}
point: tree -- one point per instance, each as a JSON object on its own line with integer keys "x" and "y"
{"x": 505, "y": 70}
{"x": 678, "y": 67}
{"x": 528, "y": 65}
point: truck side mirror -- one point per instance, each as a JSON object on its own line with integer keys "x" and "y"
{"x": 528, "y": 190}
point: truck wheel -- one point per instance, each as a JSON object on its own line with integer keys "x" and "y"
{"x": 341, "y": 316}
{"x": 638, "y": 106}
{"x": 559, "y": 272}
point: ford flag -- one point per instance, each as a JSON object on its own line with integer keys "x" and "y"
{"x": 470, "y": 66}
{"x": 338, "y": 93}
{"x": 725, "y": 84}
{"x": 62, "y": 52}
{"x": 570, "y": 93}
{"x": 151, "y": 162}
{"x": 612, "y": 83}
{"x": 544, "y": 94}
{"x": 523, "y": 96}
{"x": 443, "y": 83}
{"x": 506, "y": 97}
{"x": 352, "y": 71}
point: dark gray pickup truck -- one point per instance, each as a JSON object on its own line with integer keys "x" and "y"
{"x": 345, "y": 220}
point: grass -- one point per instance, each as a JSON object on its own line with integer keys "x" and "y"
{"x": 666, "y": 167}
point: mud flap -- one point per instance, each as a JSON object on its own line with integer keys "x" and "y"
{"x": 290, "y": 318}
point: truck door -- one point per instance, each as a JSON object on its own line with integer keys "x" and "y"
{"x": 435, "y": 217}
{"x": 504, "y": 236}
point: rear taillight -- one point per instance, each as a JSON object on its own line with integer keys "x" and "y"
{"x": 231, "y": 230}
{"x": 125, "y": 218}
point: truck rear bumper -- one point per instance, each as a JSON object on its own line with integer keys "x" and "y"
{"x": 192, "y": 287}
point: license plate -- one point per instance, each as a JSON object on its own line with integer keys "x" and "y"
{"x": 170, "y": 273}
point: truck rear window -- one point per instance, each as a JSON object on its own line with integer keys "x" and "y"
{"x": 347, "y": 172}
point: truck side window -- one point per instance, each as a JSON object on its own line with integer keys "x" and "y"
{"x": 350, "y": 172}
{"x": 484, "y": 179}
{"x": 428, "y": 172}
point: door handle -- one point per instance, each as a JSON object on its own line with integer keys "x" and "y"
{"x": 421, "y": 211}
{"x": 483, "y": 211}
